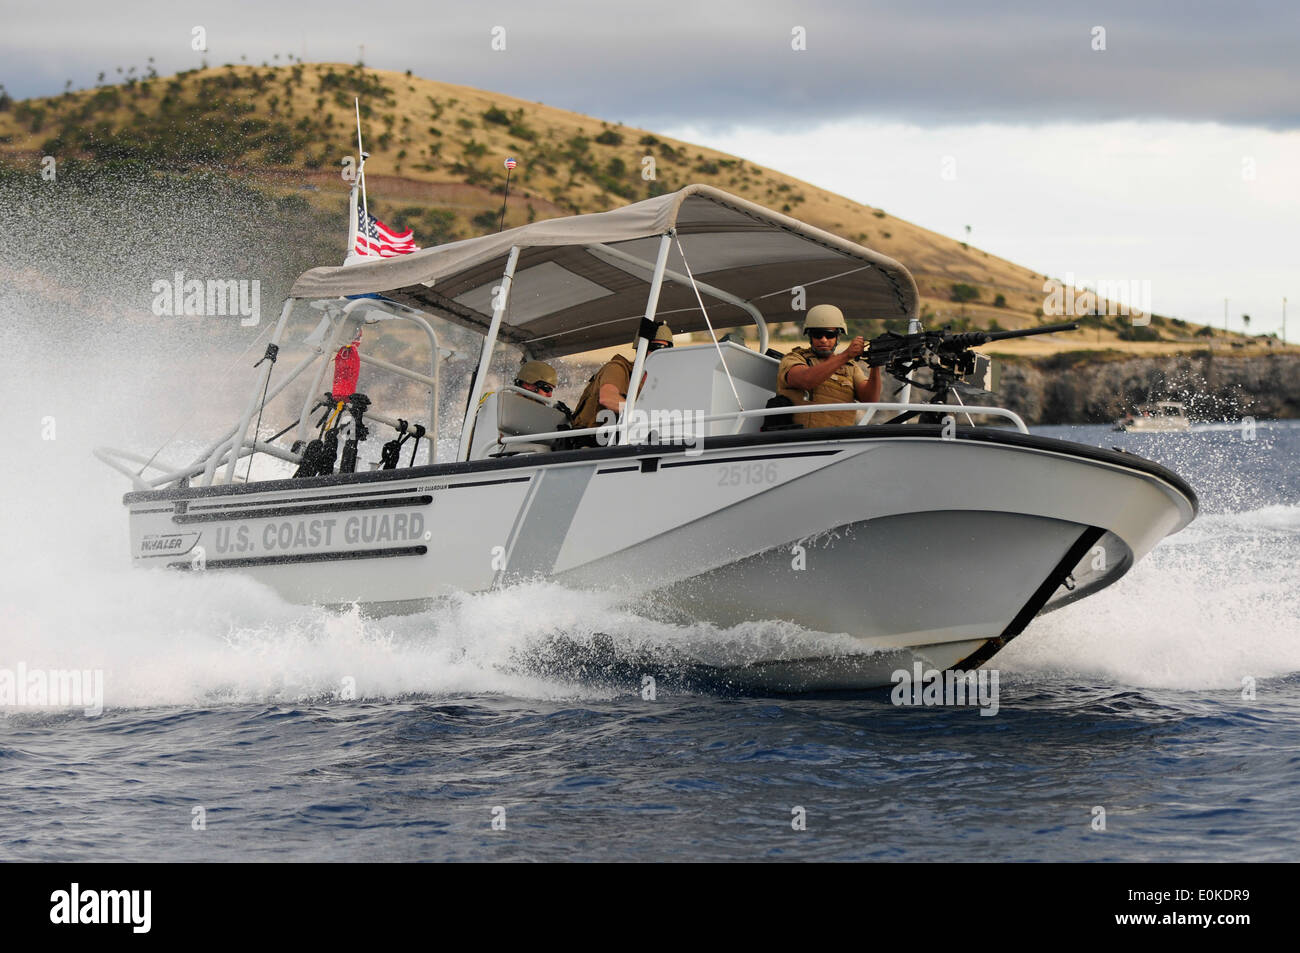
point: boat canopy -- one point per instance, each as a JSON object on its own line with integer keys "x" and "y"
{"x": 582, "y": 282}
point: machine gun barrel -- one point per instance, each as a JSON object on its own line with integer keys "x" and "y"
{"x": 1027, "y": 332}
{"x": 891, "y": 347}
{"x": 975, "y": 338}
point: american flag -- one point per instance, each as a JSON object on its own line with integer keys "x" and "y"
{"x": 511, "y": 163}
{"x": 376, "y": 238}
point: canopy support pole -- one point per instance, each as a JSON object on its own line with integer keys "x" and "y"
{"x": 485, "y": 359}
{"x": 258, "y": 392}
{"x": 643, "y": 343}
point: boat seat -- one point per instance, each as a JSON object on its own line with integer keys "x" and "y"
{"x": 516, "y": 413}
{"x": 521, "y": 413}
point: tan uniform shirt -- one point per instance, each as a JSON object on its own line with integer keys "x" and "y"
{"x": 839, "y": 388}
{"x": 617, "y": 372}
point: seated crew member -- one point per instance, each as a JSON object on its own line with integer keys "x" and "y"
{"x": 607, "y": 389}
{"x": 817, "y": 375}
{"x": 537, "y": 377}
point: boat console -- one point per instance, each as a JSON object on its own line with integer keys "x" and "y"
{"x": 692, "y": 379}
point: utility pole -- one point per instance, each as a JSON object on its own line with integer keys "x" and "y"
{"x": 1284, "y": 321}
{"x": 1225, "y": 315}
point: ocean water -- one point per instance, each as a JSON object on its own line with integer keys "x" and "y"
{"x": 512, "y": 725}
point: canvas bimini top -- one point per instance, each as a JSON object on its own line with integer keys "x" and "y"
{"x": 582, "y": 282}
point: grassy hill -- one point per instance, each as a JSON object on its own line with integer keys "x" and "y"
{"x": 436, "y": 167}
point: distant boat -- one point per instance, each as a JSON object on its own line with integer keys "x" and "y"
{"x": 1164, "y": 416}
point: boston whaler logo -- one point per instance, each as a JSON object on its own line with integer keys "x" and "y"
{"x": 167, "y": 544}
{"x": 216, "y": 296}
{"x": 953, "y": 687}
{"x": 76, "y": 906}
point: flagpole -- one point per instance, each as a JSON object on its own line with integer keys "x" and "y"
{"x": 354, "y": 227}
{"x": 361, "y": 172}
{"x": 510, "y": 164}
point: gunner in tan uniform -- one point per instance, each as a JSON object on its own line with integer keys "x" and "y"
{"x": 817, "y": 375}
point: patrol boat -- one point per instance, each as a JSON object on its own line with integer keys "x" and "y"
{"x": 1164, "y": 416}
{"x": 934, "y": 531}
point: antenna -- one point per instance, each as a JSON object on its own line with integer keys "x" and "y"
{"x": 510, "y": 164}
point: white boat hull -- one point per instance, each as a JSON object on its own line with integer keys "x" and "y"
{"x": 911, "y": 545}
{"x": 1151, "y": 425}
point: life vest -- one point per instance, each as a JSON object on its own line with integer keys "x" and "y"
{"x": 584, "y": 415}
{"x": 836, "y": 389}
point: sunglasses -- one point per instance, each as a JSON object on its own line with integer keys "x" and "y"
{"x": 542, "y": 386}
{"x": 657, "y": 345}
{"x": 824, "y": 333}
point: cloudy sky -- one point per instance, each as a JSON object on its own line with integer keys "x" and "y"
{"x": 1155, "y": 141}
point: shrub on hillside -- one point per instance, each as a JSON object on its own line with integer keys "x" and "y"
{"x": 1140, "y": 333}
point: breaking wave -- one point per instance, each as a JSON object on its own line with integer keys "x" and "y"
{"x": 1216, "y": 603}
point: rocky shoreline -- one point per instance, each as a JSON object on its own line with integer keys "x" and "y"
{"x": 1075, "y": 388}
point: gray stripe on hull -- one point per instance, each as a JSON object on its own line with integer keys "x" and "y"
{"x": 538, "y": 537}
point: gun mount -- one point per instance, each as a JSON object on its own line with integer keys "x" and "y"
{"x": 947, "y": 354}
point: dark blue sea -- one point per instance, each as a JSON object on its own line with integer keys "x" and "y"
{"x": 512, "y": 725}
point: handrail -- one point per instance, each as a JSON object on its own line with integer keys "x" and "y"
{"x": 262, "y": 446}
{"x": 415, "y": 317}
{"x": 775, "y": 411}
{"x": 110, "y": 455}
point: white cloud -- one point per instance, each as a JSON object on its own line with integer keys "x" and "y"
{"x": 1161, "y": 201}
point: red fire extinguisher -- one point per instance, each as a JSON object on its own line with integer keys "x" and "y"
{"x": 347, "y": 366}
